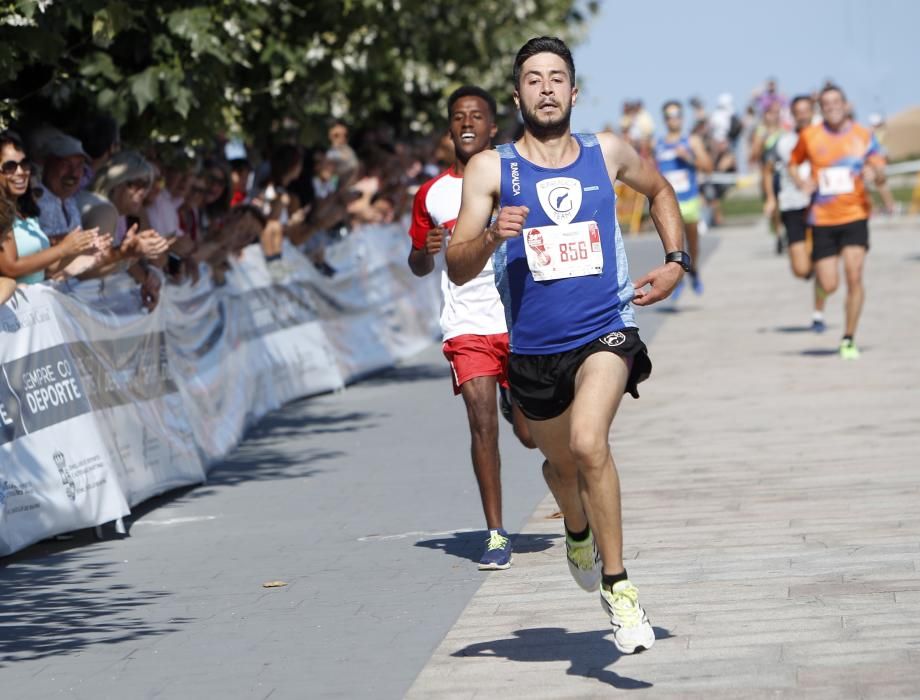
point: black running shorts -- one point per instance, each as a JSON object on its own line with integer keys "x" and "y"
{"x": 830, "y": 240}
{"x": 544, "y": 385}
{"x": 795, "y": 221}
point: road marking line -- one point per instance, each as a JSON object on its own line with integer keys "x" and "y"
{"x": 415, "y": 533}
{"x": 177, "y": 521}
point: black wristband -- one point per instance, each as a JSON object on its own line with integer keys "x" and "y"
{"x": 681, "y": 257}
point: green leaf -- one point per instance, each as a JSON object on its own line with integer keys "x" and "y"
{"x": 100, "y": 65}
{"x": 103, "y": 29}
{"x": 145, "y": 88}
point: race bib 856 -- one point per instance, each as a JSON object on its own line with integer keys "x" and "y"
{"x": 557, "y": 252}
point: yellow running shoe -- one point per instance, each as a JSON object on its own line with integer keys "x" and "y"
{"x": 848, "y": 350}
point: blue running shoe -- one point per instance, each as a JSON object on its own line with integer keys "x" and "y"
{"x": 498, "y": 552}
{"x": 818, "y": 325}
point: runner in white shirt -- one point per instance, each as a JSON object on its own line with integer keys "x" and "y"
{"x": 782, "y": 192}
{"x": 472, "y": 319}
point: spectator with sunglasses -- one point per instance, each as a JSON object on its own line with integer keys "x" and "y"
{"x": 26, "y": 253}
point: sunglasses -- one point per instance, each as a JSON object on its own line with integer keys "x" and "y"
{"x": 673, "y": 115}
{"x": 11, "y": 166}
{"x": 138, "y": 184}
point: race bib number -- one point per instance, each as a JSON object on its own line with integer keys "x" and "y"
{"x": 679, "y": 179}
{"x": 557, "y": 252}
{"x": 836, "y": 180}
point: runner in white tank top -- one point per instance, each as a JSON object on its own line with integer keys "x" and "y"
{"x": 472, "y": 318}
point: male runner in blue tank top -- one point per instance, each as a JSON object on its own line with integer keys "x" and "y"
{"x": 680, "y": 158}
{"x": 561, "y": 269}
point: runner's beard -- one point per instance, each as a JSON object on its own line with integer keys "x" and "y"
{"x": 547, "y": 130}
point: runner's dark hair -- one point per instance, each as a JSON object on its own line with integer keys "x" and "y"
{"x": 831, "y": 87}
{"x": 801, "y": 98}
{"x": 543, "y": 44}
{"x": 472, "y": 91}
{"x": 672, "y": 103}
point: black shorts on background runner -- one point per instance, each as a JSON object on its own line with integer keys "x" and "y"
{"x": 544, "y": 385}
{"x": 795, "y": 221}
{"x": 830, "y": 240}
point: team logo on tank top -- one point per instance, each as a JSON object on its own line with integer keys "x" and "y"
{"x": 560, "y": 198}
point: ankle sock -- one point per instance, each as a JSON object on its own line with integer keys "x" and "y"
{"x": 578, "y": 536}
{"x": 609, "y": 580}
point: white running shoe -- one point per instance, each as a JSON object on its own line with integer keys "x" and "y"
{"x": 631, "y": 629}
{"x": 584, "y": 562}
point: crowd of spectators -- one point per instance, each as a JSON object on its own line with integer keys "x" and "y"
{"x": 76, "y": 205}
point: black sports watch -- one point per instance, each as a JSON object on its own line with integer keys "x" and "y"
{"x": 681, "y": 257}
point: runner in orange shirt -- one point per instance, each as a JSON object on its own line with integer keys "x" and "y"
{"x": 842, "y": 154}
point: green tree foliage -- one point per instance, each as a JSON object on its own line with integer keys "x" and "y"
{"x": 194, "y": 68}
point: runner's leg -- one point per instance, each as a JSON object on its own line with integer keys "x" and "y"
{"x": 854, "y": 257}
{"x": 482, "y": 412}
{"x": 826, "y": 274}
{"x": 552, "y": 437}
{"x": 820, "y": 298}
{"x": 799, "y": 259}
{"x": 599, "y": 386}
{"x": 521, "y": 429}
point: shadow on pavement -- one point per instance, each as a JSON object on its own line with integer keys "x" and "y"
{"x": 407, "y": 373}
{"x": 589, "y": 653}
{"x": 266, "y": 453}
{"x": 793, "y": 329}
{"x": 54, "y": 605}
{"x": 818, "y": 352}
{"x": 469, "y": 545}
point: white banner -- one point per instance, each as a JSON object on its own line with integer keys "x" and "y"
{"x": 103, "y": 405}
{"x": 57, "y": 474}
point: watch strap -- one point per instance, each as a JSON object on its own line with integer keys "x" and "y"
{"x": 681, "y": 257}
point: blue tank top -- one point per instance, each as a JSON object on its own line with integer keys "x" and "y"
{"x": 679, "y": 172}
{"x": 553, "y": 316}
{"x": 30, "y": 239}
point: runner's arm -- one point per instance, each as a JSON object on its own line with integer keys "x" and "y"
{"x": 700, "y": 154}
{"x": 624, "y": 163}
{"x": 876, "y": 162}
{"x": 472, "y": 243}
{"x": 642, "y": 176}
{"x": 798, "y": 156}
{"x": 421, "y": 261}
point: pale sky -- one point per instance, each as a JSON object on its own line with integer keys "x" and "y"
{"x": 674, "y": 49}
